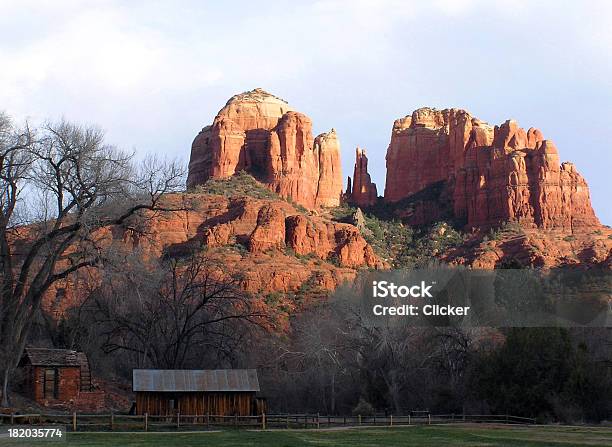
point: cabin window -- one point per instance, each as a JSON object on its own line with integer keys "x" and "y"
{"x": 50, "y": 383}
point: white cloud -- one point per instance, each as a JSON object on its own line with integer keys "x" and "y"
{"x": 97, "y": 52}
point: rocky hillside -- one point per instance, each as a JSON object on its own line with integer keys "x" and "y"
{"x": 506, "y": 245}
{"x": 280, "y": 248}
{"x": 240, "y": 214}
{"x": 512, "y": 246}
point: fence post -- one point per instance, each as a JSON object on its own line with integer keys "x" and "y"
{"x": 391, "y": 420}
{"x": 74, "y": 421}
{"x": 178, "y": 419}
{"x": 12, "y": 418}
{"x": 429, "y": 418}
{"x": 374, "y": 418}
{"x": 207, "y": 421}
{"x": 263, "y": 421}
{"x": 287, "y": 420}
{"x": 328, "y": 420}
{"x": 344, "y": 420}
{"x": 359, "y": 419}
{"x": 112, "y": 420}
{"x": 507, "y": 419}
{"x": 318, "y": 422}
{"x": 408, "y": 418}
{"x": 146, "y": 421}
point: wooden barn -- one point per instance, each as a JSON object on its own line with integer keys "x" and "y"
{"x": 55, "y": 376}
{"x": 222, "y": 392}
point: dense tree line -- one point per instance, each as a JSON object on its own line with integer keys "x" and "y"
{"x": 335, "y": 365}
{"x": 550, "y": 373}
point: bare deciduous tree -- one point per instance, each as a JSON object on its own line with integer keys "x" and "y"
{"x": 315, "y": 354}
{"x": 174, "y": 315}
{"x": 58, "y": 186}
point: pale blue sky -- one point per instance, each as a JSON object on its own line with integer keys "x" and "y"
{"x": 153, "y": 73}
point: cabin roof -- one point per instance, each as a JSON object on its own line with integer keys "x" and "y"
{"x": 52, "y": 357}
{"x": 193, "y": 380}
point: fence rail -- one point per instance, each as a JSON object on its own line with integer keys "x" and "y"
{"x": 114, "y": 421}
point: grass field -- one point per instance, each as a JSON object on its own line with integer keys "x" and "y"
{"x": 465, "y": 435}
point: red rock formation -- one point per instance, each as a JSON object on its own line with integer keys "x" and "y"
{"x": 330, "y": 239}
{"x": 363, "y": 192}
{"x": 329, "y": 190}
{"x": 491, "y": 174}
{"x": 269, "y": 234}
{"x": 260, "y": 237}
{"x": 534, "y": 247}
{"x": 261, "y": 225}
{"x": 260, "y": 133}
{"x": 307, "y": 237}
{"x": 353, "y": 250}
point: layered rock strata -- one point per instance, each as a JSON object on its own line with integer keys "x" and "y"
{"x": 277, "y": 246}
{"x": 261, "y": 226}
{"x": 261, "y": 134}
{"x": 489, "y": 174}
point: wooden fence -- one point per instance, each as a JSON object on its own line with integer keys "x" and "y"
{"x": 123, "y": 422}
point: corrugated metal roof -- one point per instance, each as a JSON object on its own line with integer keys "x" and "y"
{"x": 195, "y": 380}
{"x": 52, "y": 357}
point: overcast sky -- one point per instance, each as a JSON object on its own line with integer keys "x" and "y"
{"x": 153, "y": 73}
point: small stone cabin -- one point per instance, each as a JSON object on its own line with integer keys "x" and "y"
{"x": 221, "y": 392}
{"x": 58, "y": 376}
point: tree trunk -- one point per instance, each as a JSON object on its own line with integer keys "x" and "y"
{"x": 397, "y": 403}
{"x": 5, "y": 381}
{"x": 394, "y": 388}
{"x": 333, "y": 393}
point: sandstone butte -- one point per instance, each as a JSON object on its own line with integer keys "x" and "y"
{"x": 261, "y": 134}
{"x": 483, "y": 175}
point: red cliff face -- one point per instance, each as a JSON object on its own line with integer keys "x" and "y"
{"x": 277, "y": 246}
{"x": 490, "y": 174}
{"x": 361, "y": 191}
{"x": 261, "y": 226}
{"x": 259, "y": 133}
